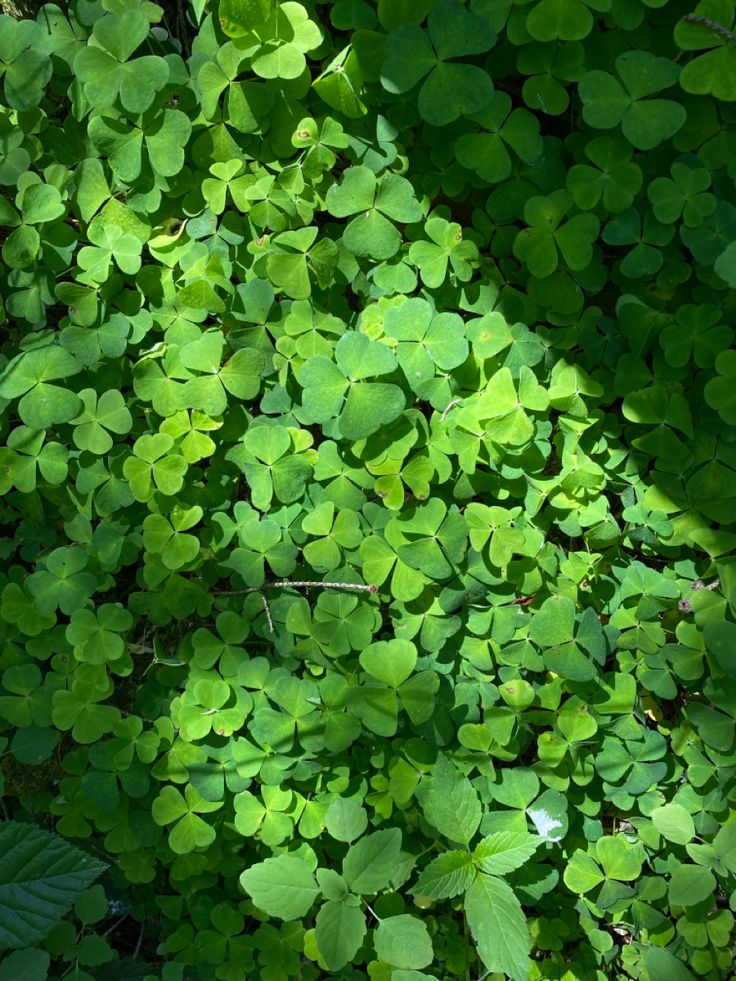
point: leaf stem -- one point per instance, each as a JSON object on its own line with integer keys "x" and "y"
{"x": 297, "y": 584}
{"x": 448, "y": 408}
{"x": 717, "y": 29}
{"x": 372, "y": 911}
{"x": 292, "y": 584}
{"x": 267, "y": 611}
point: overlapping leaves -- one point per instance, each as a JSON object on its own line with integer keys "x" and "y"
{"x": 368, "y": 481}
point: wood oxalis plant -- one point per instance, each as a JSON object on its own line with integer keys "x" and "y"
{"x": 368, "y": 393}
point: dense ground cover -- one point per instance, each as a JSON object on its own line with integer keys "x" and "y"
{"x": 369, "y": 477}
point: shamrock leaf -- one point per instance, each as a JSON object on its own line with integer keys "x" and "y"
{"x": 697, "y": 333}
{"x": 319, "y": 142}
{"x": 720, "y": 392}
{"x": 193, "y": 427}
{"x": 426, "y": 341}
{"x": 725, "y": 264}
{"x": 500, "y": 412}
{"x": 26, "y": 66}
{"x": 294, "y": 255}
{"x": 685, "y": 195}
{"x": 267, "y": 818}
{"x": 263, "y": 542}
{"x": 280, "y": 42}
{"x": 626, "y": 229}
{"x": 271, "y": 466}
{"x": 711, "y": 239}
{"x": 690, "y": 885}
{"x": 105, "y": 72}
{"x": 549, "y": 67}
{"x": 237, "y": 16}
{"x": 78, "y": 710}
{"x": 341, "y": 83}
{"x": 674, "y": 823}
{"x": 489, "y": 334}
{"x": 445, "y": 248}
{"x": 40, "y": 203}
{"x": 167, "y": 536}
{"x": 199, "y": 294}
{"x": 380, "y": 560}
{"x": 451, "y": 89}
{"x": 30, "y": 374}
{"x": 486, "y": 153}
{"x": 189, "y": 831}
{"x": 371, "y": 233}
{"x": 565, "y": 20}
{"x": 714, "y": 72}
{"x": 430, "y": 538}
{"x": 538, "y": 244}
{"x": 163, "y": 135}
{"x": 18, "y": 608}
{"x": 100, "y": 417}
{"x": 347, "y": 14}
{"x": 239, "y": 376}
{"x": 110, "y": 243}
{"x": 342, "y": 480}
{"x": 614, "y": 180}
{"x": 341, "y": 624}
{"x": 95, "y": 634}
{"x": 340, "y": 389}
{"x": 26, "y": 455}
{"x": 645, "y": 122}
{"x": 62, "y": 584}
{"x": 17, "y": 159}
{"x": 22, "y": 247}
{"x": 228, "y": 180}
{"x": 152, "y": 467}
{"x": 630, "y": 769}
{"x": 333, "y": 532}
{"x": 158, "y": 379}
{"x": 206, "y": 706}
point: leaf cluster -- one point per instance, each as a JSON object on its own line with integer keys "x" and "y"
{"x": 368, "y": 597}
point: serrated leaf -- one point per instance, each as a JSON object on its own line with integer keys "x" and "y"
{"x": 340, "y": 929}
{"x": 371, "y": 863}
{"x": 346, "y": 819}
{"x": 446, "y": 876}
{"x": 504, "y": 851}
{"x": 404, "y": 942}
{"x": 451, "y": 804}
{"x": 41, "y": 877}
{"x": 498, "y": 926}
{"x": 283, "y": 886}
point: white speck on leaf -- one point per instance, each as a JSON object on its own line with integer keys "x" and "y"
{"x": 545, "y": 824}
